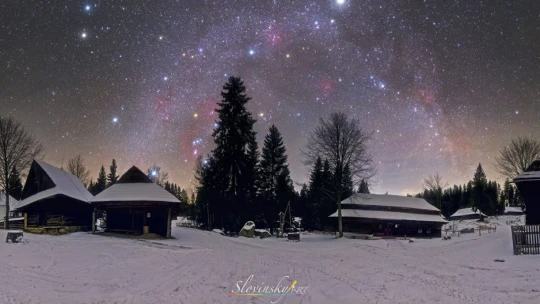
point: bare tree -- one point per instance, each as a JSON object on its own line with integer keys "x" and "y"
{"x": 17, "y": 151}
{"x": 77, "y": 167}
{"x": 343, "y": 143}
{"x": 516, "y": 157}
{"x": 157, "y": 176}
{"x": 436, "y": 184}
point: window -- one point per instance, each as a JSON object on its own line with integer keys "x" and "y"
{"x": 420, "y": 231}
{"x": 428, "y": 231}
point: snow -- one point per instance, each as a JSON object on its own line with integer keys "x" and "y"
{"x": 129, "y": 192}
{"x": 513, "y": 210}
{"x": 465, "y": 211}
{"x": 65, "y": 184}
{"x": 203, "y": 267}
{"x": 388, "y": 200}
{"x": 390, "y": 215}
{"x": 218, "y": 231}
{"x": 501, "y": 220}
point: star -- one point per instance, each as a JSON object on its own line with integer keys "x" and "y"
{"x": 251, "y": 52}
{"x": 165, "y": 78}
{"x": 340, "y": 2}
{"x": 87, "y": 8}
{"x": 84, "y": 35}
{"x": 115, "y": 119}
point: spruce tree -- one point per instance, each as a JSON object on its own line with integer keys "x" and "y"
{"x": 15, "y": 185}
{"x": 364, "y": 187}
{"x": 230, "y": 159}
{"x": 328, "y": 205}
{"x": 252, "y": 180}
{"x": 348, "y": 186}
{"x": 112, "y": 178}
{"x": 273, "y": 171}
{"x": 101, "y": 182}
{"x": 479, "y": 199}
{"x": 310, "y": 217}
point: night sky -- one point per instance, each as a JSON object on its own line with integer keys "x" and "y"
{"x": 442, "y": 84}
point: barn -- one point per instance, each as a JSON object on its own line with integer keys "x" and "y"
{"x": 528, "y": 184}
{"x": 136, "y": 205}
{"x": 467, "y": 214}
{"x": 388, "y": 215}
{"x": 53, "y": 199}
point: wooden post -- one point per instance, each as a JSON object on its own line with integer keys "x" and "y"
{"x": 94, "y": 221}
{"x": 5, "y": 220}
{"x": 25, "y": 220}
{"x": 169, "y": 223}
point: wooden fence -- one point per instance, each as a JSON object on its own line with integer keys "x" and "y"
{"x": 526, "y": 239}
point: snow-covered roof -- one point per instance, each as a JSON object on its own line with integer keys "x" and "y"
{"x": 513, "y": 210}
{"x": 135, "y": 186}
{"x": 386, "y": 200}
{"x": 531, "y": 174}
{"x": 12, "y": 202}
{"x": 390, "y": 215}
{"x": 65, "y": 184}
{"x": 135, "y": 192}
{"x": 465, "y": 212}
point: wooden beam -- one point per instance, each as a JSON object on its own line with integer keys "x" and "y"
{"x": 25, "y": 220}
{"x": 169, "y": 223}
{"x": 93, "y": 221}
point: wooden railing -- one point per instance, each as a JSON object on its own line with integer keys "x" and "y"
{"x": 526, "y": 239}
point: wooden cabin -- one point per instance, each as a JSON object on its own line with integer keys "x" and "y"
{"x": 54, "y": 199}
{"x": 136, "y": 205}
{"x": 467, "y": 214}
{"x": 388, "y": 215}
{"x": 528, "y": 184}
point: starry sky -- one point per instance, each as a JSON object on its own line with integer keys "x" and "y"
{"x": 443, "y": 85}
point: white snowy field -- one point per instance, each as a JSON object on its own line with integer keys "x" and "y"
{"x": 203, "y": 267}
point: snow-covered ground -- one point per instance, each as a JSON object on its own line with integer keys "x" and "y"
{"x": 492, "y": 221}
{"x": 203, "y": 267}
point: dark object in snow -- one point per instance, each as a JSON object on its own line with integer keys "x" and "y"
{"x": 293, "y": 236}
{"x": 499, "y": 260}
{"x": 467, "y": 230}
{"x": 446, "y": 237}
{"x": 14, "y": 236}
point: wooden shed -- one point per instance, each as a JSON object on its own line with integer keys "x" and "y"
{"x": 136, "y": 205}
{"x": 528, "y": 184}
{"x": 54, "y": 199}
{"x": 389, "y": 216}
{"x": 467, "y": 214}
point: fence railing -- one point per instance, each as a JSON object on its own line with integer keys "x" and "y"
{"x": 526, "y": 239}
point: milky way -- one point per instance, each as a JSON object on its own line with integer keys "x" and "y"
{"x": 441, "y": 84}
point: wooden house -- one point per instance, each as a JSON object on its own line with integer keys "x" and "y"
{"x": 136, "y": 205}
{"x": 388, "y": 215}
{"x": 54, "y": 199}
{"x": 528, "y": 184}
{"x": 467, "y": 214}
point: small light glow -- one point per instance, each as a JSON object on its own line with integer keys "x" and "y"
{"x": 160, "y": 37}
{"x": 195, "y": 115}
{"x": 340, "y": 2}
{"x": 154, "y": 173}
{"x": 115, "y": 119}
{"x": 83, "y": 35}
{"x": 251, "y": 52}
{"x": 165, "y": 78}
